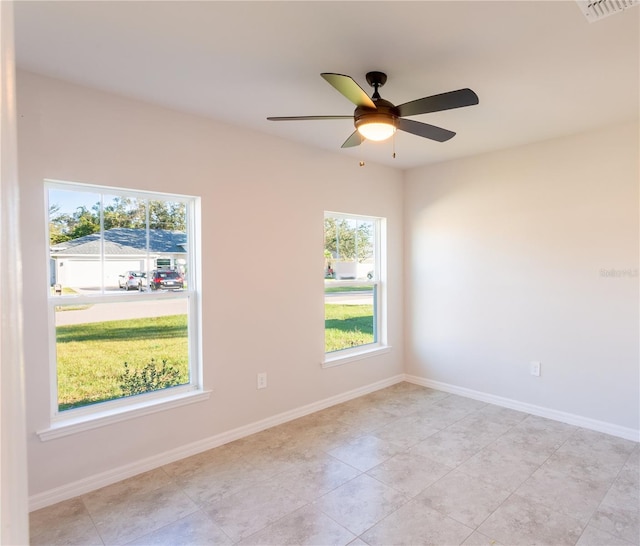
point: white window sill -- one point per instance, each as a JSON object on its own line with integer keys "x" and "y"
{"x": 342, "y": 357}
{"x": 88, "y": 421}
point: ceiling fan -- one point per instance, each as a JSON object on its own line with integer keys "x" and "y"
{"x": 377, "y": 119}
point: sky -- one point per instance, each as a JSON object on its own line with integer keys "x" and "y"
{"x": 69, "y": 201}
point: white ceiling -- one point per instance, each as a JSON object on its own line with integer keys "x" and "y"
{"x": 540, "y": 69}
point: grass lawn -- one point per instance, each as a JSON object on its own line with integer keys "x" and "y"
{"x": 91, "y": 356}
{"x": 347, "y": 326}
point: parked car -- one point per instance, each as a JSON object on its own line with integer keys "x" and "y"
{"x": 167, "y": 279}
{"x": 130, "y": 280}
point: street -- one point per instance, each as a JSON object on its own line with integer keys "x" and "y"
{"x": 121, "y": 311}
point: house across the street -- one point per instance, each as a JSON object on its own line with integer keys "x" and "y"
{"x": 76, "y": 263}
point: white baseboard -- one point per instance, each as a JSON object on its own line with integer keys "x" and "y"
{"x": 109, "y": 477}
{"x": 564, "y": 417}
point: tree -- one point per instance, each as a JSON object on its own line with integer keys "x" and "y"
{"x": 57, "y": 225}
{"x": 124, "y": 212}
{"x": 64, "y": 227}
{"x": 167, "y": 215}
{"x": 348, "y": 239}
{"x": 120, "y": 212}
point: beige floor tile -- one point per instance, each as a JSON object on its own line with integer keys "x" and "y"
{"x": 455, "y": 402}
{"x": 520, "y": 521}
{"x": 317, "y": 477}
{"x": 529, "y": 443}
{"x": 598, "y": 445}
{"x": 478, "y": 539}
{"x": 328, "y": 437}
{"x": 367, "y": 419}
{"x": 625, "y": 490}
{"x": 273, "y": 439}
{"x": 422, "y": 397}
{"x": 121, "y": 520}
{"x": 414, "y": 524}
{"x": 318, "y": 434}
{"x": 211, "y": 483}
{"x": 592, "y": 536}
{"x": 365, "y": 452}
{"x": 622, "y": 522}
{"x": 502, "y": 415}
{"x": 499, "y": 467}
{"x": 534, "y": 423}
{"x": 218, "y": 456}
{"x": 360, "y": 503}
{"x": 139, "y": 485}
{"x": 439, "y": 417}
{"x": 194, "y": 529}
{"x": 450, "y": 446}
{"x": 409, "y": 473}
{"x": 463, "y": 498}
{"x": 66, "y": 523}
{"x": 634, "y": 458}
{"x": 584, "y": 466}
{"x": 570, "y": 496}
{"x": 245, "y": 512}
{"x": 306, "y": 526}
{"x": 482, "y": 424}
{"x": 273, "y": 461}
{"x": 405, "y": 432}
{"x": 401, "y": 405}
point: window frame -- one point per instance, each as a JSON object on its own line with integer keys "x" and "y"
{"x": 379, "y": 286}
{"x": 101, "y": 413}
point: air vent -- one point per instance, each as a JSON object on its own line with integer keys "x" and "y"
{"x": 594, "y": 10}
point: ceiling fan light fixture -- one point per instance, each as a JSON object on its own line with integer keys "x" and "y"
{"x": 376, "y": 130}
{"x": 378, "y": 119}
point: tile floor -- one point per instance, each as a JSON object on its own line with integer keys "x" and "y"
{"x": 404, "y": 465}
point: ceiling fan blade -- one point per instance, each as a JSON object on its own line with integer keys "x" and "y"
{"x": 354, "y": 140}
{"x": 305, "y": 118}
{"x": 350, "y": 89}
{"x": 424, "y": 130}
{"x": 436, "y": 103}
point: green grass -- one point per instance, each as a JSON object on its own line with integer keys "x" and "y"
{"x": 91, "y": 356}
{"x": 347, "y": 326}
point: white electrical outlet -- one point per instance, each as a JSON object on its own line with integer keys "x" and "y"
{"x": 262, "y": 380}
{"x": 535, "y": 369}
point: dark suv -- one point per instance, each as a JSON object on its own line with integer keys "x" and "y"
{"x": 167, "y": 279}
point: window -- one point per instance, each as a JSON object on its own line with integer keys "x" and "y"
{"x": 123, "y": 298}
{"x": 353, "y": 295}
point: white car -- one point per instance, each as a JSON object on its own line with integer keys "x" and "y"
{"x": 129, "y": 280}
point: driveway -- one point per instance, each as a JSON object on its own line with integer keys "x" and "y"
{"x": 349, "y": 298}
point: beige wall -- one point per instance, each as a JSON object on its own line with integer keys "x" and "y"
{"x": 263, "y": 201}
{"x": 509, "y": 258}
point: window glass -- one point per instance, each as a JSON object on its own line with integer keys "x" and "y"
{"x": 122, "y": 292}
{"x": 351, "y": 255}
{"x": 107, "y": 351}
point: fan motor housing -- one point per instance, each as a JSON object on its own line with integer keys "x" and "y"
{"x": 385, "y": 112}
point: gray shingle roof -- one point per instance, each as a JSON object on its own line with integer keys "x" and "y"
{"x": 125, "y": 241}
